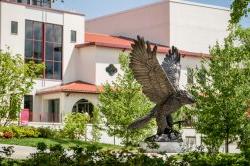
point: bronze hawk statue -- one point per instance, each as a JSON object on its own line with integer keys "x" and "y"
{"x": 160, "y": 83}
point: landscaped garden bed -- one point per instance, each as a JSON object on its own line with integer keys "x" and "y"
{"x": 30, "y": 136}
{"x": 66, "y": 143}
{"x": 92, "y": 155}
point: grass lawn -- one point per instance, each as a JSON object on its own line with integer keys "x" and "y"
{"x": 64, "y": 142}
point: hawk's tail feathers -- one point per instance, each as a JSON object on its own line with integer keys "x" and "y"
{"x": 141, "y": 122}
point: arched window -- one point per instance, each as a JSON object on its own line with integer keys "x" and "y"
{"x": 83, "y": 106}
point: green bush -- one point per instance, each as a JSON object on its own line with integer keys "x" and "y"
{"x": 93, "y": 155}
{"x": 45, "y": 132}
{"x": 200, "y": 158}
{"x": 21, "y": 131}
{"x": 75, "y": 125}
{"x": 25, "y": 132}
{"x": 41, "y": 146}
{"x": 56, "y": 148}
{"x": 29, "y": 132}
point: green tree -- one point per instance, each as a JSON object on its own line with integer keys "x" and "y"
{"x": 122, "y": 102}
{"x": 16, "y": 80}
{"x": 239, "y": 8}
{"x": 96, "y": 125}
{"x": 222, "y": 98}
{"x": 75, "y": 125}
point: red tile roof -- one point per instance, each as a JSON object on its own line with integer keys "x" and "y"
{"x": 102, "y": 40}
{"x": 74, "y": 87}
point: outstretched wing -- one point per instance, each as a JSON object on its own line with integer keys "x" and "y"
{"x": 148, "y": 72}
{"x": 172, "y": 67}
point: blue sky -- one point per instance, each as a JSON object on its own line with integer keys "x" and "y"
{"x": 96, "y": 8}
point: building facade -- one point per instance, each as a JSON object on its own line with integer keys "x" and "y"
{"x": 79, "y": 61}
{"x": 187, "y": 25}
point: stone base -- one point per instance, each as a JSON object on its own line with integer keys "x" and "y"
{"x": 161, "y": 147}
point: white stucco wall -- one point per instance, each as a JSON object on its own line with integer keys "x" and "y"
{"x": 85, "y": 65}
{"x": 67, "y": 101}
{"x": 150, "y": 21}
{"x": 16, "y": 43}
{"x": 187, "y": 62}
{"x": 105, "y": 57}
{"x": 194, "y": 27}
{"x": 189, "y": 26}
{"x": 191, "y": 132}
{"x": 93, "y": 61}
{"x": 76, "y": 23}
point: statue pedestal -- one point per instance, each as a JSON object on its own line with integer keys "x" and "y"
{"x": 161, "y": 147}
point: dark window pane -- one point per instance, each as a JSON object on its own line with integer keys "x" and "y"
{"x": 28, "y": 30}
{"x": 47, "y": 3}
{"x": 38, "y": 61}
{"x": 53, "y": 110}
{"x": 190, "y": 76}
{"x": 73, "y": 36}
{"x": 58, "y": 70}
{"x": 36, "y": 2}
{"x": 52, "y": 53}
{"x": 202, "y": 78}
{"x": 28, "y": 104}
{"x": 58, "y": 52}
{"x": 37, "y": 50}
{"x": 49, "y": 70}
{"x": 14, "y": 27}
{"x": 28, "y": 60}
{"x": 49, "y": 51}
{"x": 40, "y": 73}
{"x": 37, "y": 31}
{"x": 58, "y": 33}
{"x": 24, "y": 1}
{"x": 28, "y": 101}
{"x": 49, "y": 33}
{"x": 28, "y": 48}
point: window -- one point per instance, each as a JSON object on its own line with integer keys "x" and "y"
{"x": 14, "y": 27}
{"x": 33, "y": 41}
{"x": 24, "y": 1}
{"x": 202, "y": 77}
{"x": 73, "y": 36}
{"x": 28, "y": 104}
{"x": 53, "y": 55}
{"x": 83, "y": 106}
{"x": 43, "y": 44}
{"x": 190, "y": 141}
{"x": 53, "y": 110}
{"x": 190, "y": 76}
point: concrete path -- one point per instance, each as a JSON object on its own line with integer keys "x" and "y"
{"x": 21, "y": 152}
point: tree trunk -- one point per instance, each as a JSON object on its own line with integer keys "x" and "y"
{"x": 226, "y": 144}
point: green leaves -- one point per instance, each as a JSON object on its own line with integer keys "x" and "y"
{"x": 122, "y": 102}
{"x": 16, "y": 80}
{"x": 75, "y": 125}
{"x": 239, "y": 8}
{"x": 221, "y": 102}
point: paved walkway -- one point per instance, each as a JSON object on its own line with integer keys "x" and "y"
{"x": 21, "y": 152}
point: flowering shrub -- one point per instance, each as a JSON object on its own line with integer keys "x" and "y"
{"x": 8, "y": 134}
{"x": 26, "y": 132}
